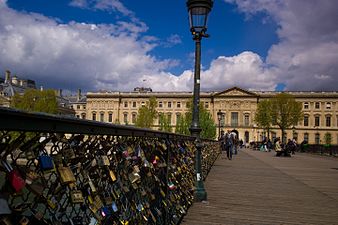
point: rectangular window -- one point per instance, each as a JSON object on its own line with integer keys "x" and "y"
{"x": 134, "y": 104}
{"x": 306, "y": 137}
{"x": 246, "y": 120}
{"x": 306, "y": 105}
{"x": 94, "y": 116}
{"x": 317, "y": 105}
{"x": 317, "y": 121}
{"x": 328, "y": 121}
{"x": 110, "y": 117}
{"x": 306, "y": 121}
{"x": 133, "y": 118}
{"x": 125, "y": 118}
{"x": 234, "y": 119}
{"x": 78, "y": 107}
{"x": 169, "y": 118}
{"x": 84, "y": 106}
{"x": 178, "y": 104}
{"x": 101, "y": 117}
{"x": 317, "y": 138}
{"x": 206, "y": 105}
{"x": 328, "y": 105}
{"x": 178, "y": 117}
{"x": 169, "y": 104}
{"x": 125, "y": 104}
{"x": 160, "y": 104}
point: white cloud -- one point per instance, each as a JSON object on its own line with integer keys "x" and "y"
{"x": 245, "y": 70}
{"x": 308, "y": 32}
{"x": 79, "y": 55}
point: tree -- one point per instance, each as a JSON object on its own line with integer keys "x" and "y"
{"x": 285, "y": 112}
{"x": 207, "y": 124}
{"x": 164, "y": 123}
{"x": 34, "y": 100}
{"x": 263, "y": 116}
{"x": 147, "y": 114}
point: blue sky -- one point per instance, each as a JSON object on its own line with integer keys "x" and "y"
{"x": 120, "y": 44}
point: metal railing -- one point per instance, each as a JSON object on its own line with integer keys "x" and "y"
{"x": 57, "y": 170}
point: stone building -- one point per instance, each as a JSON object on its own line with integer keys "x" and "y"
{"x": 12, "y": 85}
{"x": 238, "y": 105}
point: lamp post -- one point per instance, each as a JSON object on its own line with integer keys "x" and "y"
{"x": 198, "y": 14}
{"x": 219, "y": 117}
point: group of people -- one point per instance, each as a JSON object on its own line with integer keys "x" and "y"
{"x": 229, "y": 143}
{"x": 290, "y": 147}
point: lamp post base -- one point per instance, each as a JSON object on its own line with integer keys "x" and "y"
{"x": 200, "y": 195}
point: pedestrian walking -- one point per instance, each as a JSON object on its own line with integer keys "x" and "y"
{"x": 229, "y": 144}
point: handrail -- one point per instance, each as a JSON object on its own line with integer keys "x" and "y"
{"x": 11, "y": 119}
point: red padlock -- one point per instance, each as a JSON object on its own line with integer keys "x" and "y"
{"x": 14, "y": 177}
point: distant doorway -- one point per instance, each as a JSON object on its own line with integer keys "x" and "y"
{"x": 246, "y": 137}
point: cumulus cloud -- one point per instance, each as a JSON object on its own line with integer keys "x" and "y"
{"x": 308, "y": 46}
{"x": 246, "y": 70}
{"x": 80, "y": 55}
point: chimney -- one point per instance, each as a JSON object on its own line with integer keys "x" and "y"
{"x": 78, "y": 94}
{"x": 8, "y": 77}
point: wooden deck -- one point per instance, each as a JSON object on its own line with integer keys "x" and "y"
{"x": 259, "y": 188}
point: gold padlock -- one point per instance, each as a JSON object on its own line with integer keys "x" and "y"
{"x": 76, "y": 196}
{"x": 66, "y": 175}
{"x": 112, "y": 175}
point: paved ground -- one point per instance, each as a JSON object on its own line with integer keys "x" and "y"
{"x": 259, "y": 188}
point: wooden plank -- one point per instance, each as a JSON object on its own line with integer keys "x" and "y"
{"x": 259, "y": 188}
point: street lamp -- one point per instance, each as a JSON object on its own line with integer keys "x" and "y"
{"x": 219, "y": 117}
{"x": 198, "y": 14}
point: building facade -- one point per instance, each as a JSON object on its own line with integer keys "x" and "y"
{"x": 238, "y": 105}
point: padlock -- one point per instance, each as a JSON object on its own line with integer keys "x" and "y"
{"x": 46, "y": 162}
{"x": 134, "y": 177}
{"x": 66, "y": 175}
{"x": 112, "y": 175}
{"x": 102, "y": 160}
{"x": 114, "y": 206}
{"x": 76, "y": 196}
{"x": 14, "y": 177}
{"x": 31, "y": 176}
{"x": 97, "y": 204}
{"x": 91, "y": 185}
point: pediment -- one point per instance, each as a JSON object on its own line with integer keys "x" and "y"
{"x": 235, "y": 91}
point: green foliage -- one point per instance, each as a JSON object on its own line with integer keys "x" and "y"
{"x": 147, "y": 114}
{"x": 327, "y": 139}
{"x": 164, "y": 123}
{"x": 183, "y": 125}
{"x": 34, "y": 100}
{"x": 207, "y": 123}
{"x": 263, "y": 116}
{"x": 285, "y": 111}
